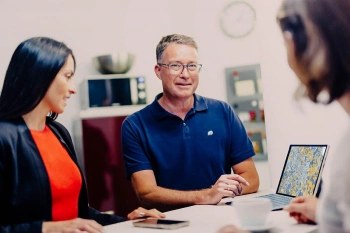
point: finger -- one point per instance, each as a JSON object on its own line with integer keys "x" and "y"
{"x": 91, "y": 226}
{"x": 304, "y": 219}
{"x": 154, "y": 213}
{"x": 96, "y": 225}
{"x": 238, "y": 178}
{"x": 233, "y": 195}
{"x": 72, "y": 230}
{"x": 240, "y": 189}
{"x": 132, "y": 216}
{"x": 293, "y": 214}
{"x": 222, "y": 189}
{"x": 138, "y": 213}
{"x": 295, "y": 207}
{"x": 135, "y": 215}
{"x": 223, "y": 185}
{"x": 234, "y": 189}
{"x": 226, "y": 193}
{"x": 90, "y": 229}
{"x": 300, "y": 199}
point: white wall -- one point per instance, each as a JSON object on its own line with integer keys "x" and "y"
{"x": 92, "y": 28}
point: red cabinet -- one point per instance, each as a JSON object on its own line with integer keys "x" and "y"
{"x": 108, "y": 188}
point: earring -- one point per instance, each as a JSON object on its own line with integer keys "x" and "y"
{"x": 323, "y": 97}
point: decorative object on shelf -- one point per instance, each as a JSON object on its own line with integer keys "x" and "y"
{"x": 118, "y": 63}
{"x": 238, "y": 19}
{"x": 252, "y": 116}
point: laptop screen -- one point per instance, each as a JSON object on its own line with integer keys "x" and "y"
{"x": 302, "y": 169}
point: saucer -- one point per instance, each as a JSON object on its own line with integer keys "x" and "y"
{"x": 265, "y": 227}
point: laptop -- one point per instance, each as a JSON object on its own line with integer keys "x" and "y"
{"x": 301, "y": 174}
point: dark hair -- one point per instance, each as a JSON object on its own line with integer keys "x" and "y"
{"x": 33, "y": 66}
{"x": 321, "y": 33}
{"x": 173, "y": 39}
{"x": 295, "y": 25}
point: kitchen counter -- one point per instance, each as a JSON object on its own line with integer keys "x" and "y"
{"x": 110, "y": 111}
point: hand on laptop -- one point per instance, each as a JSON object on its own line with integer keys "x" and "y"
{"x": 226, "y": 186}
{"x": 303, "y": 209}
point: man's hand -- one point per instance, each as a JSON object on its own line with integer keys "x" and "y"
{"x": 303, "y": 209}
{"x": 225, "y": 186}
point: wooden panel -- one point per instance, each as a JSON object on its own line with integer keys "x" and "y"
{"x": 108, "y": 188}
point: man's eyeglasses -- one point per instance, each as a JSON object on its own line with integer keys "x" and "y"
{"x": 177, "y": 68}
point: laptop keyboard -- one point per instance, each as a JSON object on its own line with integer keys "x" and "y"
{"x": 278, "y": 201}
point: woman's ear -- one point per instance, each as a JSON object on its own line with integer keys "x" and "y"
{"x": 293, "y": 61}
{"x": 290, "y": 47}
{"x": 289, "y": 42}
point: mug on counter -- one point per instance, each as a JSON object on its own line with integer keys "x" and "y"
{"x": 252, "y": 212}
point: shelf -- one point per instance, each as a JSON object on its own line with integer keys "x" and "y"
{"x": 260, "y": 157}
{"x": 237, "y": 99}
{"x": 110, "y": 111}
{"x": 254, "y": 125}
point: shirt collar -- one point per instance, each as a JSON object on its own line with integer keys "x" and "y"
{"x": 159, "y": 112}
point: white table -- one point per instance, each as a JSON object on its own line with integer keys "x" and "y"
{"x": 210, "y": 218}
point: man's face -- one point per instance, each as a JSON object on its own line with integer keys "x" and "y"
{"x": 181, "y": 85}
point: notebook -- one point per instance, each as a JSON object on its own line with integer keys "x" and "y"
{"x": 301, "y": 174}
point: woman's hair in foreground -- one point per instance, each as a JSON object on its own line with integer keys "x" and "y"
{"x": 321, "y": 34}
{"x": 33, "y": 67}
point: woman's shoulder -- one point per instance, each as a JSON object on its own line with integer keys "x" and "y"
{"x": 11, "y": 126}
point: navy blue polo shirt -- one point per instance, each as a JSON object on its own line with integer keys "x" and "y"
{"x": 187, "y": 154}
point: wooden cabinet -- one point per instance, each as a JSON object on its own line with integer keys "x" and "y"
{"x": 108, "y": 188}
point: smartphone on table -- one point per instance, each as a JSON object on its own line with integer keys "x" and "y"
{"x": 161, "y": 223}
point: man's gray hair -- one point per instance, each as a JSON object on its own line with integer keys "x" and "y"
{"x": 173, "y": 39}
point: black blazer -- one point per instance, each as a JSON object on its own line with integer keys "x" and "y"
{"x": 25, "y": 194}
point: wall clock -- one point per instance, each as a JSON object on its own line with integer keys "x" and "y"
{"x": 237, "y": 19}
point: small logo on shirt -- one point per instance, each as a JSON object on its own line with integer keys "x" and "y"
{"x": 210, "y": 133}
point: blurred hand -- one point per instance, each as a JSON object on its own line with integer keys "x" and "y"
{"x": 141, "y": 212}
{"x": 303, "y": 209}
{"x": 225, "y": 186}
{"x": 231, "y": 229}
{"x": 76, "y": 225}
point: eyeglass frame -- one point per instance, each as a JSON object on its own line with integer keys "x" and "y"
{"x": 183, "y": 66}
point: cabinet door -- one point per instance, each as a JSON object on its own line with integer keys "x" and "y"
{"x": 108, "y": 188}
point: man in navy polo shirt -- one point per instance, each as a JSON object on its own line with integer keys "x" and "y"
{"x": 180, "y": 149}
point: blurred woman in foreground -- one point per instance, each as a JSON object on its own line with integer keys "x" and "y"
{"x": 317, "y": 40}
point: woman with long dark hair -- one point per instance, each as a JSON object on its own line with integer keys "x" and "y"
{"x": 42, "y": 188}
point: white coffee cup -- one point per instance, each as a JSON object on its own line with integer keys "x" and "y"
{"x": 252, "y": 212}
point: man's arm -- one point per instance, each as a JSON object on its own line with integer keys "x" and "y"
{"x": 153, "y": 196}
{"x": 247, "y": 170}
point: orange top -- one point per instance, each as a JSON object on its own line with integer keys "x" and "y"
{"x": 65, "y": 178}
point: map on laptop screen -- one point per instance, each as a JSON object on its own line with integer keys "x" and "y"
{"x": 302, "y": 170}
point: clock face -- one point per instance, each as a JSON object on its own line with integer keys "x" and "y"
{"x": 238, "y": 19}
